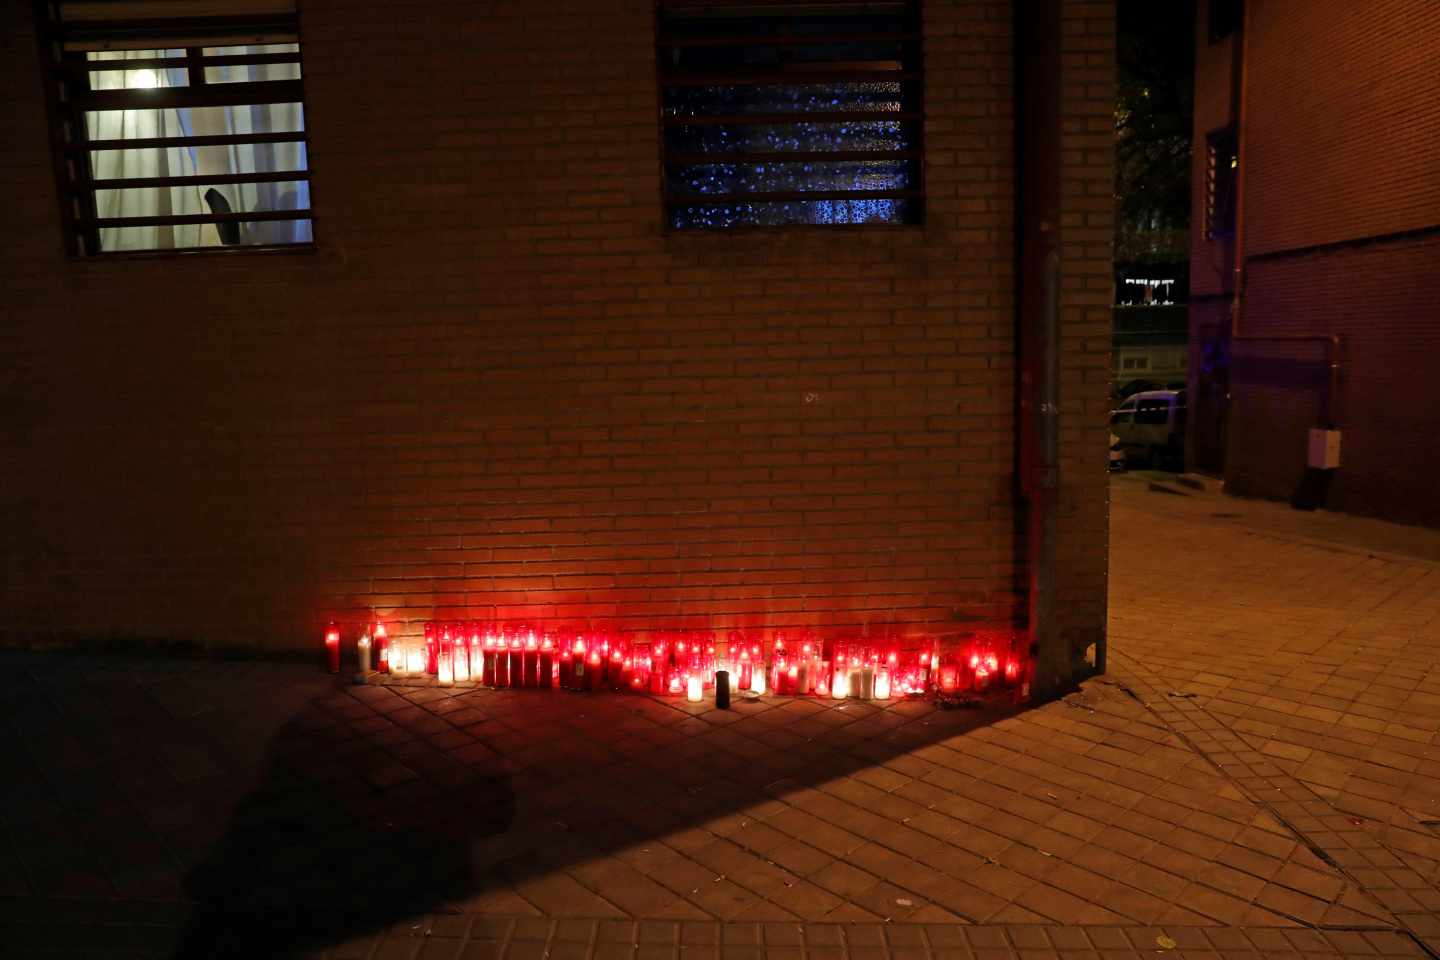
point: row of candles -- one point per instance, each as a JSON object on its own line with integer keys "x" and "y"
{"x": 683, "y": 664}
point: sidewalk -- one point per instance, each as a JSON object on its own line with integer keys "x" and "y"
{"x": 1252, "y": 778}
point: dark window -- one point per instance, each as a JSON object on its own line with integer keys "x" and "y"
{"x": 178, "y": 134}
{"x": 790, "y": 114}
{"x": 1221, "y": 166}
{"x": 1225, "y": 18}
{"x": 1152, "y": 411}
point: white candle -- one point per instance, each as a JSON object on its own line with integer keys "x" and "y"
{"x": 693, "y": 688}
{"x": 757, "y": 680}
{"x": 415, "y": 662}
{"x": 882, "y": 685}
{"x": 840, "y": 684}
{"x": 363, "y": 648}
{"x": 397, "y": 658}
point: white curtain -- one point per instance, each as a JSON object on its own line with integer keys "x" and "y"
{"x": 197, "y": 161}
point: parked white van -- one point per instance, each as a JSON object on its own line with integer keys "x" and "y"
{"x": 1150, "y": 428}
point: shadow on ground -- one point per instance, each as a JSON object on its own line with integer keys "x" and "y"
{"x": 376, "y": 804}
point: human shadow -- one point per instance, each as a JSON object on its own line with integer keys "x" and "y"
{"x": 383, "y": 802}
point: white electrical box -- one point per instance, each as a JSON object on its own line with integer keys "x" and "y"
{"x": 1324, "y": 449}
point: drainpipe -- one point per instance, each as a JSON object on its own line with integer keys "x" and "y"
{"x": 1240, "y": 75}
{"x": 1038, "y": 169}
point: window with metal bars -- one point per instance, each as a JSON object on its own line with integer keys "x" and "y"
{"x": 177, "y": 132}
{"x": 777, "y": 113}
{"x": 1221, "y": 165}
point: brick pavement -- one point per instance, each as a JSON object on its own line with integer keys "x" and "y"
{"x": 1192, "y": 802}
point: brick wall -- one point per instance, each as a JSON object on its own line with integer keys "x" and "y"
{"x": 499, "y": 390}
{"x": 1342, "y": 142}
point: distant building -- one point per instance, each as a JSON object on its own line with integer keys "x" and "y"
{"x": 1317, "y": 187}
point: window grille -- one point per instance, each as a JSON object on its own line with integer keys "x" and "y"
{"x": 778, "y": 113}
{"x": 178, "y": 132}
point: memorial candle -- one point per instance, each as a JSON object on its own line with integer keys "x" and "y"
{"x": 445, "y": 659}
{"x": 531, "y": 675}
{"x": 432, "y": 649}
{"x": 792, "y": 680}
{"x": 577, "y": 674}
{"x": 594, "y": 671}
{"x": 332, "y": 647}
{"x": 675, "y": 686}
{"x": 488, "y": 658}
{"x": 382, "y": 648}
{"x": 658, "y": 672}
{"x": 417, "y": 660}
{"x": 362, "y": 648}
{"x": 882, "y": 684}
{"x": 745, "y": 671}
{"x": 397, "y": 658}
{"x": 462, "y": 654}
{"x": 516, "y": 659}
{"x": 693, "y": 688}
{"x": 616, "y": 673}
{"x": 547, "y": 663}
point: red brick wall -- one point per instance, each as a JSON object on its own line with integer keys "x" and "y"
{"x": 1342, "y": 142}
{"x": 499, "y": 390}
{"x": 1343, "y": 121}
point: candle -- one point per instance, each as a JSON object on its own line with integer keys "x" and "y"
{"x": 382, "y": 643}
{"x": 577, "y": 674}
{"x": 594, "y": 671}
{"x": 332, "y": 647}
{"x": 853, "y": 676}
{"x": 547, "y": 663}
{"x": 362, "y": 647}
{"x": 822, "y": 686}
{"x": 840, "y": 681}
{"x": 693, "y": 688}
{"x": 462, "y": 654}
{"x": 531, "y": 675}
{"x": 675, "y": 687}
{"x": 745, "y": 670}
{"x": 722, "y": 689}
{"x": 757, "y": 681}
{"x": 792, "y": 681}
{"x": 445, "y": 659}
{"x": 882, "y": 684}
{"x": 397, "y": 658}
{"x": 949, "y": 678}
{"x": 488, "y": 664}
{"x": 867, "y": 678}
{"x": 515, "y": 659}
{"x": 432, "y": 649}
{"x": 617, "y": 672}
{"x": 416, "y": 659}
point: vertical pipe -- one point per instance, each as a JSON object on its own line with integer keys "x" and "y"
{"x": 1038, "y": 170}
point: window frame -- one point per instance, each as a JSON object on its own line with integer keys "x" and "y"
{"x": 913, "y": 9}
{"x": 68, "y": 99}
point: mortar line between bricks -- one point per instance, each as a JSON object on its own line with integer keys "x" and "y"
{"x": 1147, "y": 679}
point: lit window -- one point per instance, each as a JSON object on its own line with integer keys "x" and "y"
{"x": 778, "y": 114}
{"x": 179, "y": 135}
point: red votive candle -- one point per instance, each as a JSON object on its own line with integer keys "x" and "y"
{"x": 487, "y": 659}
{"x": 594, "y": 671}
{"x": 657, "y": 668}
{"x": 332, "y": 647}
{"x": 382, "y": 649}
{"x": 547, "y": 663}
{"x": 531, "y": 676}
{"x": 577, "y": 676}
{"x": 432, "y": 650}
